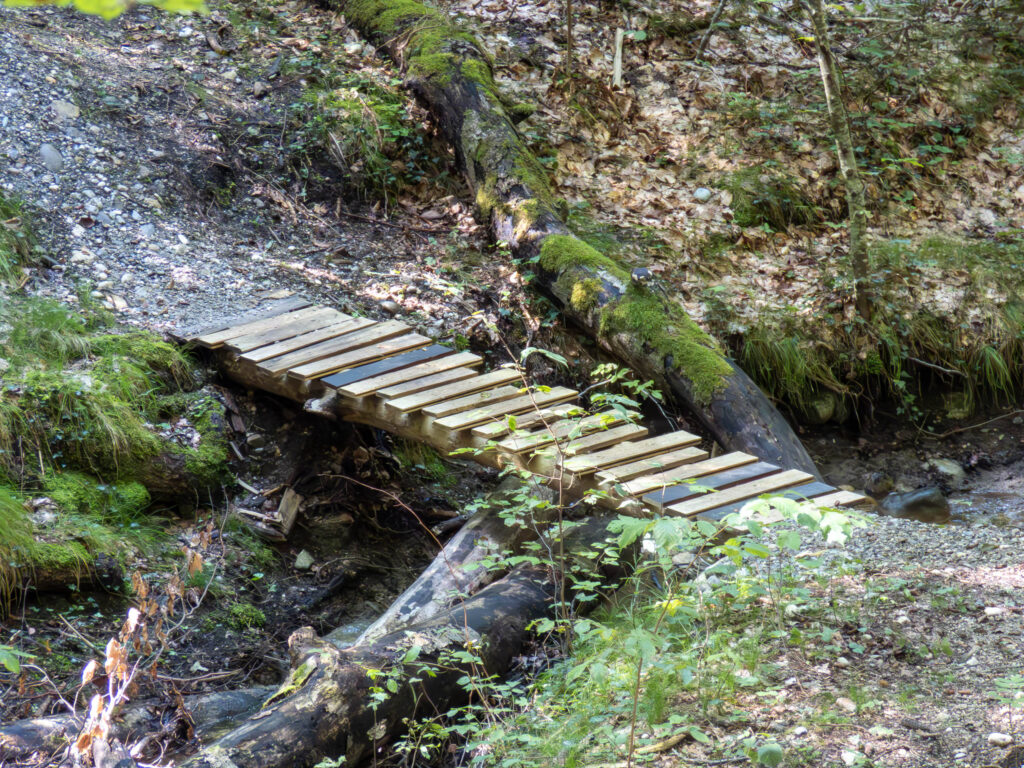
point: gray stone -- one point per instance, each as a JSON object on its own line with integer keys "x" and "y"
{"x": 66, "y": 110}
{"x": 51, "y": 158}
{"x": 820, "y": 409}
{"x": 927, "y": 505}
{"x": 997, "y": 739}
{"x": 391, "y": 307}
{"x": 951, "y": 472}
{"x": 702, "y": 194}
{"x": 303, "y": 561}
{"x": 256, "y": 440}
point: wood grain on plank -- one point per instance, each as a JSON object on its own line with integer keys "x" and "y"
{"x": 799, "y": 493}
{"x": 370, "y": 334}
{"x": 840, "y": 499}
{"x": 365, "y": 354}
{"x": 558, "y": 431}
{"x": 217, "y": 338}
{"x": 629, "y": 452}
{"x": 292, "y": 324}
{"x": 647, "y": 483}
{"x": 283, "y": 347}
{"x": 262, "y": 312}
{"x": 414, "y": 402}
{"x": 470, "y": 402}
{"x": 535, "y": 420}
{"x": 663, "y": 497}
{"x": 465, "y": 419}
{"x": 749, "y": 490}
{"x": 661, "y": 462}
{"x": 416, "y": 378}
{"x": 603, "y": 439}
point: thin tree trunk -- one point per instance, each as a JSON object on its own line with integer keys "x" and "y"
{"x": 855, "y": 195}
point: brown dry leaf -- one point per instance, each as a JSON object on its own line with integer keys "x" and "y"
{"x": 89, "y": 672}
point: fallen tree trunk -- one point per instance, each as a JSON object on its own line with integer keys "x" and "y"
{"x": 457, "y": 571}
{"x": 450, "y": 73}
{"x": 334, "y": 702}
{"x": 328, "y": 706}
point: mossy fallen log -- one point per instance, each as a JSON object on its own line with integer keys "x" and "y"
{"x": 451, "y": 74}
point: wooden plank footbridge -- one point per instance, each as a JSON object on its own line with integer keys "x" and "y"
{"x": 386, "y": 375}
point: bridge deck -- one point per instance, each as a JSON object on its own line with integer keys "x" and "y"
{"x": 387, "y": 375}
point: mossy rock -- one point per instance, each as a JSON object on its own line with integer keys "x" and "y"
{"x": 83, "y": 494}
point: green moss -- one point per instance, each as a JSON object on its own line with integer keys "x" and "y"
{"x": 520, "y": 110}
{"x": 561, "y": 252}
{"x": 668, "y": 331}
{"x": 583, "y": 296}
{"x": 245, "y": 616}
{"x": 143, "y": 350}
{"x": 85, "y": 495}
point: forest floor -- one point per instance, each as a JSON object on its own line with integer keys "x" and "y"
{"x": 172, "y": 175}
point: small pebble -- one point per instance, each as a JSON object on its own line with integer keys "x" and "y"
{"x": 997, "y": 739}
{"x": 52, "y": 158}
{"x": 391, "y": 307}
{"x": 842, "y": 661}
{"x": 702, "y": 194}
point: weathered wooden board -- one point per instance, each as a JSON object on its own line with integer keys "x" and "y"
{"x": 661, "y": 462}
{"x": 840, "y": 499}
{"x": 450, "y": 392}
{"x": 264, "y": 323}
{"x": 603, "y": 439}
{"x": 292, "y": 324}
{"x": 262, "y": 354}
{"x": 392, "y": 346}
{"x": 416, "y": 378}
{"x": 371, "y": 334}
{"x": 799, "y": 493}
{"x": 494, "y": 430}
{"x": 629, "y": 452}
{"x": 387, "y": 365}
{"x": 558, "y": 431}
{"x": 262, "y": 312}
{"x": 750, "y": 490}
{"x": 717, "y": 481}
{"x": 464, "y": 419}
{"x": 647, "y": 483}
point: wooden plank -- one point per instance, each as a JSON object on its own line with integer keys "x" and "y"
{"x": 334, "y": 330}
{"x": 647, "y": 483}
{"x": 629, "y": 452}
{"x": 599, "y": 440}
{"x": 717, "y": 481}
{"x": 262, "y": 312}
{"x": 371, "y": 334}
{"x": 416, "y": 378}
{"x": 840, "y": 499}
{"x": 292, "y": 324}
{"x": 661, "y": 462}
{"x": 557, "y": 431}
{"x": 387, "y": 365}
{"x": 465, "y": 419}
{"x": 364, "y": 354}
{"x": 425, "y": 398}
{"x": 471, "y": 402}
{"x": 265, "y": 323}
{"x": 750, "y": 490}
{"x": 799, "y": 493}
{"x": 288, "y": 510}
{"x": 536, "y": 419}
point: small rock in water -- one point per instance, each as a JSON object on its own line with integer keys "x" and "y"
{"x": 925, "y": 504}
{"x": 51, "y": 158}
{"x": 391, "y": 307}
{"x": 997, "y": 739}
{"x": 303, "y": 561}
{"x": 702, "y": 194}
